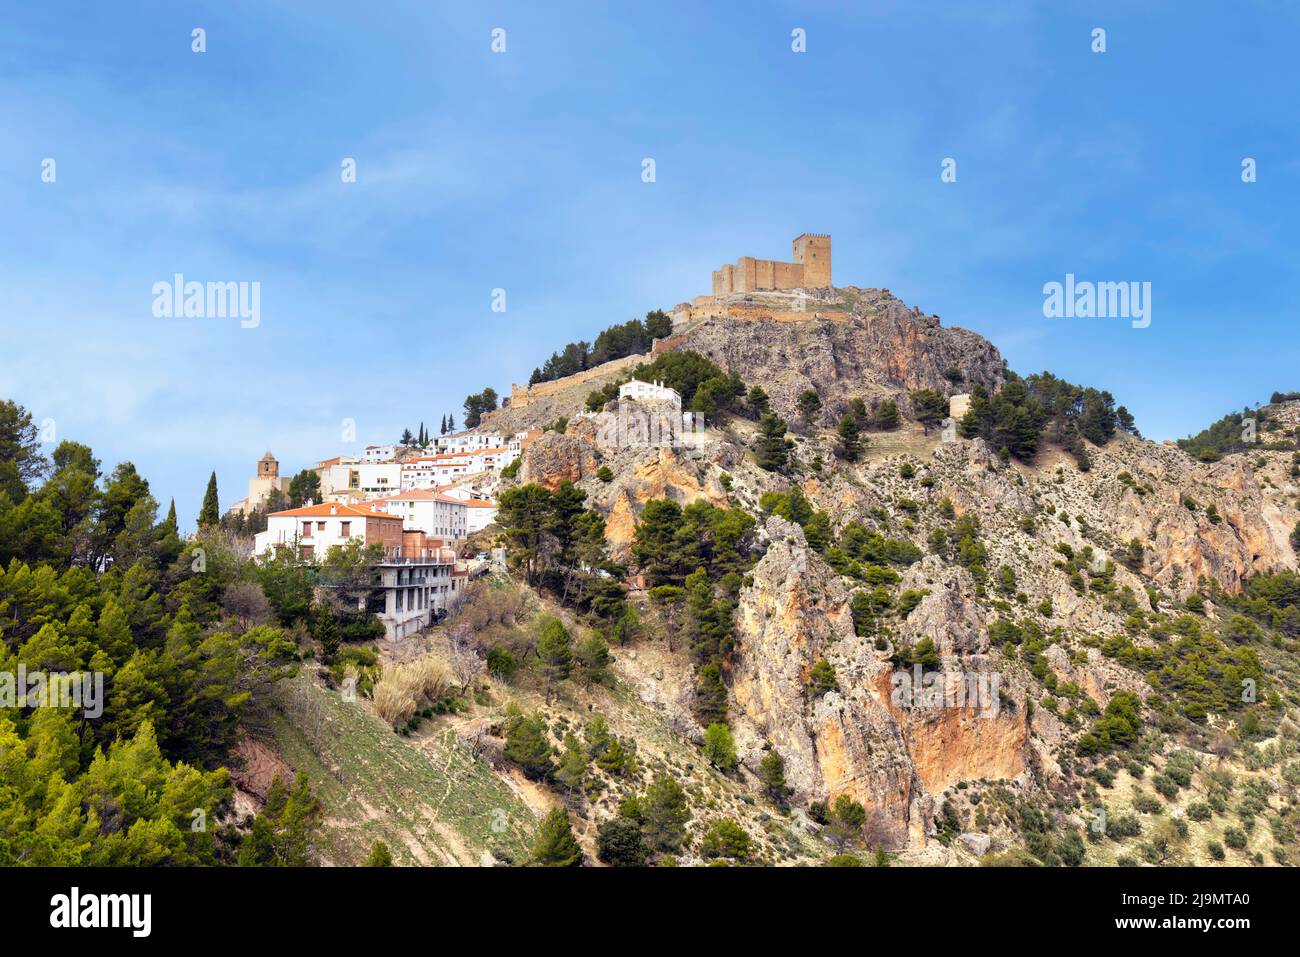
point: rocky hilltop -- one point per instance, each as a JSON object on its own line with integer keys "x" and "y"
{"x": 855, "y": 343}
{"x": 846, "y": 343}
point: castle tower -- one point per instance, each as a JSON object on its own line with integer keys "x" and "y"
{"x": 268, "y": 467}
{"x": 813, "y": 252}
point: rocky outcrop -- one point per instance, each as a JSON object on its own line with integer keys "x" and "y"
{"x": 892, "y": 752}
{"x": 555, "y": 457}
{"x": 876, "y": 346}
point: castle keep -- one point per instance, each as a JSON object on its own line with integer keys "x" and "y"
{"x": 810, "y": 269}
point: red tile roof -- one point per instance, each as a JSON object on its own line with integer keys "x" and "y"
{"x": 329, "y": 510}
{"x": 419, "y": 495}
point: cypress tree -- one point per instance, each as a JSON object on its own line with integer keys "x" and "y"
{"x": 170, "y": 521}
{"x": 210, "y": 513}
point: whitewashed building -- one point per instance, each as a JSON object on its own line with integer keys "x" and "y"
{"x": 649, "y": 392}
{"x": 313, "y": 530}
{"x": 479, "y": 514}
{"x": 415, "y": 580}
{"x": 431, "y": 471}
{"x": 466, "y": 441}
{"x": 429, "y": 511}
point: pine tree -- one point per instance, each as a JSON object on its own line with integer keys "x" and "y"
{"x": 324, "y": 628}
{"x": 572, "y": 769}
{"x": 770, "y": 449}
{"x": 930, "y": 407}
{"x": 725, "y": 838}
{"x": 771, "y": 771}
{"x": 527, "y": 744}
{"x": 705, "y": 620}
{"x": 210, "y": 513}
{"x": 380, "y": 856}
{"x": 555, "y": 845}
{"x": 664, "y": 813}
{"x": 555, "y": 649}
{"x": 710, "y": 695}
{"x": 886, "y": 416}
{"x": 850, "y": 440}
{"x": 810, "y": 404}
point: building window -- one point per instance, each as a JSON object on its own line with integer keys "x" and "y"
{"x": 306, "y": 529}
{"x": 345, "y": 529}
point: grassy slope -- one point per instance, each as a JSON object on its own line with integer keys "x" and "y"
{"x": 424, "y": 796}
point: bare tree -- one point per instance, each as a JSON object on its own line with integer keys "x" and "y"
{"x": 463, "y": 656}
{"x": 247, "y": 603}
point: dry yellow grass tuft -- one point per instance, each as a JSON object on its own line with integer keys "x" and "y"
{"x": 405, "y": 688}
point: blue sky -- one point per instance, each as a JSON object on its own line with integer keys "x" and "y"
{"x": 522, "y": 171}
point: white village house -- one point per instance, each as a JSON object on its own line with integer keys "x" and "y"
{"x": 650, "y": 392}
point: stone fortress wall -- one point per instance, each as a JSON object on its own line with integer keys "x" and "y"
{"x": 521, "y": 396}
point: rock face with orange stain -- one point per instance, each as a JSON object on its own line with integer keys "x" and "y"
{"x": 864, "y": 739}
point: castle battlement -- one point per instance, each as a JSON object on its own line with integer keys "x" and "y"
{"x": 809, "y": 268}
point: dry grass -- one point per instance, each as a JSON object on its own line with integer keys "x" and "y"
{"x": 405, "y": 688}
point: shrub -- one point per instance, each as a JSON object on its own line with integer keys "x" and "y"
{"x": 845, "y": 860}
{"x": 727, "y": 839}
{"x": 822, "y": 679}
{"x": 619, "y": 843}
{"x": 720, "y": 747}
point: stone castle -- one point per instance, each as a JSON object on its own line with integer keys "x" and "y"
{"x": 810, "y": 269}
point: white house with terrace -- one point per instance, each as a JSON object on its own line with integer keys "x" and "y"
{"x": 415, "y": 580}
{"x": 650, "y": 392}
